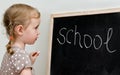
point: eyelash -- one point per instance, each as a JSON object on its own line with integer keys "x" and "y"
{"x": 36, "y": 27}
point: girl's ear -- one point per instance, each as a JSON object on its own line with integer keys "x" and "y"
{"x": 19, "y": 29}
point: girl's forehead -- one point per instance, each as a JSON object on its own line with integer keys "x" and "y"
{"x": 35, "y": 21}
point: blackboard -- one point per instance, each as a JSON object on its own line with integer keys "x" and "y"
{"x": 85, "y": 43}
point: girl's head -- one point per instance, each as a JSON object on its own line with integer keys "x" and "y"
{"x": 18, "y": 14}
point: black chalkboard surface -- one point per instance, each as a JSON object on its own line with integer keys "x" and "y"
{"x": 86, "y": 43}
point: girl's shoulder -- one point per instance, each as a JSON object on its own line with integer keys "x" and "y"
{"x": 19, "y": 54}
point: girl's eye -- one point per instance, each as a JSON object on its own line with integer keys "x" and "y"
{"x": 37, "y": 27}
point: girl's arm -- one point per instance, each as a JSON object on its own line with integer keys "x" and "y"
{"x": 26, "y": 71}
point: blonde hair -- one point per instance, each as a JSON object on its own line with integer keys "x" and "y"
{"x": 17, "y": 14}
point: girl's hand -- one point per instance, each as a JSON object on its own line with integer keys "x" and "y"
{"x": 33, "y": 56}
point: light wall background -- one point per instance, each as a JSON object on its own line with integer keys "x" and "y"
{"x": 48, "y": 7}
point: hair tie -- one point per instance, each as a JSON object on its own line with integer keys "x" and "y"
{"x": 11, "y": 38}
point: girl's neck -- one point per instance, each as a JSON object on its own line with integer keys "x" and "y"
{"x": 19, "y": 43}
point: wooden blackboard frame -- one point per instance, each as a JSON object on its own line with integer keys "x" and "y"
{"x": 70, "y": 14}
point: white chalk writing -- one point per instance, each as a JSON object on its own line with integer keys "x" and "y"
{"x": 92, "y": 40}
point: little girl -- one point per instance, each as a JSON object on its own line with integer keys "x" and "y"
{"x": 21, "y": 22}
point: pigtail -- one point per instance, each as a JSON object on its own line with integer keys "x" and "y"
{"x": 9, "y": 48}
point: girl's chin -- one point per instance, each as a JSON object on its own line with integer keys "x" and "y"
{"x": 31, "y": 43}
